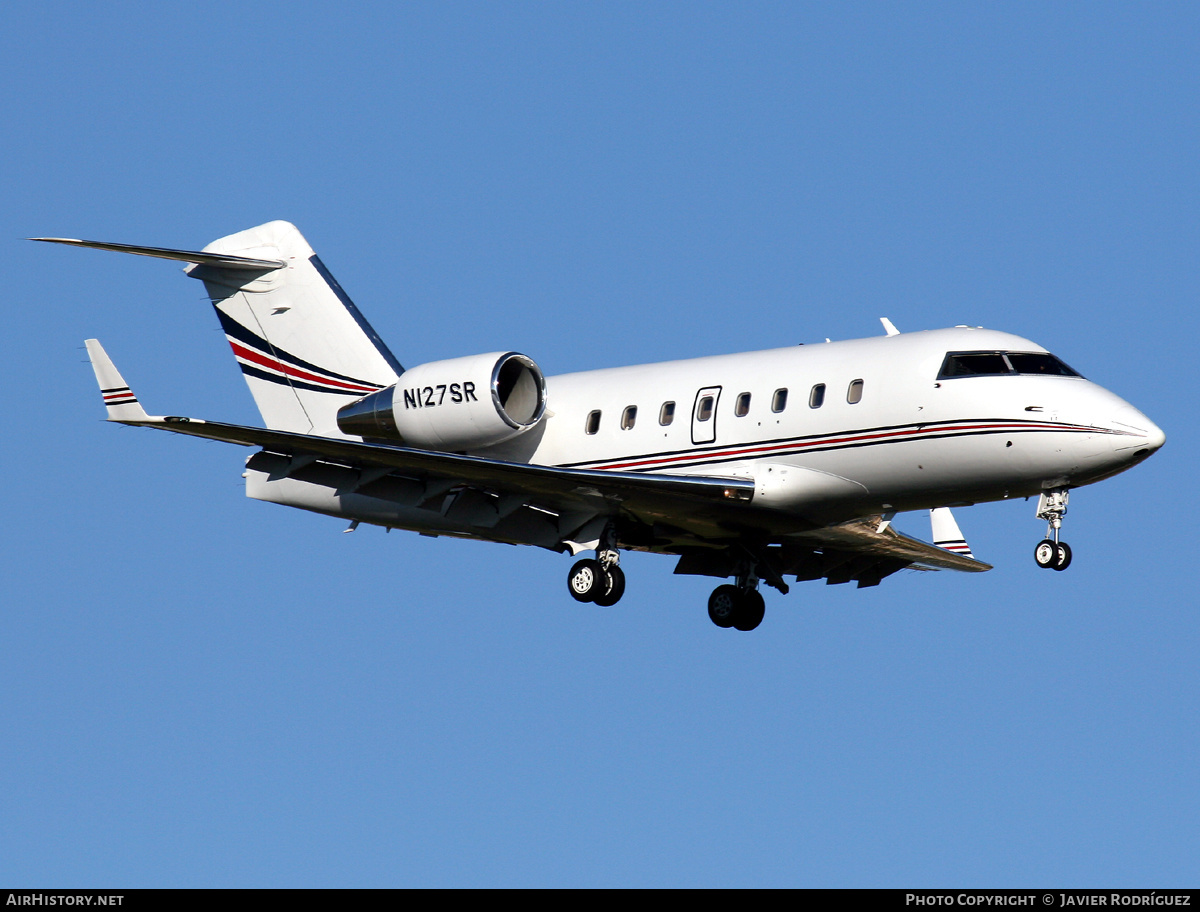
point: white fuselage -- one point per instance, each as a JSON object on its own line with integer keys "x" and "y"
{"x": 909, "y": 442}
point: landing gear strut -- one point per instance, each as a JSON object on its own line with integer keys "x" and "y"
{"x": 600, "y": 580}
{"x": 739, "y": 606}
{"x": 1050, "y": 553}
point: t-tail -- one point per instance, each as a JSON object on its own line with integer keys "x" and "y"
{"x": 302, "y": 345}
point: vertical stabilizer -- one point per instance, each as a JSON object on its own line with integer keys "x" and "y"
{"x": 302, "y": 345}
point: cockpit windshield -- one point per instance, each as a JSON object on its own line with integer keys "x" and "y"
{"x": 979, "y": 364}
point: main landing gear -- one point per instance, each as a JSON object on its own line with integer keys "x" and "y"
{"x": 739, "y": 606}
{"x": 1050, "y": 553}
{"x": 733, "y": 606}
{"x": 600, "y": 580}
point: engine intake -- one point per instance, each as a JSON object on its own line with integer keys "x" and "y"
{"x": 458, "y": 404}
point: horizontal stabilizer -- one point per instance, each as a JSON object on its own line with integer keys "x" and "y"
{"x": 220, "y": 260}
{"x": 119, "y": 399}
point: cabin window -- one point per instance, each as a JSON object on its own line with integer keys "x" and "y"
{"x": 593, "y": 422}
{"x": 629, "y": 417}
{"x": 741, "y": 407}
{"x": 704, "y": 409}
{"x": 666, "y": 414}
{"x": 779, "y": 400}
{"x": 854, "y": 392}
{"x": 816, "y": 398}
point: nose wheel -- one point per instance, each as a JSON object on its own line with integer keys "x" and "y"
{"x": 1050, "y": 553}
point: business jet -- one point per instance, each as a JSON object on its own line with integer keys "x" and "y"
{"x": 746, "y": 467}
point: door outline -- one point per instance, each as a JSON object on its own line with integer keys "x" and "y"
{"x": 705, "y": 431}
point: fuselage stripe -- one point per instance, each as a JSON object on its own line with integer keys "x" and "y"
{"x": 236, "y": 331}
{"x": 262, "y": 360}
{"x": 249, "y": 370}
{"x": 845, "y": 440}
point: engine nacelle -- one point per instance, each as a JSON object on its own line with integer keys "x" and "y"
{"x": 459, "y": 404}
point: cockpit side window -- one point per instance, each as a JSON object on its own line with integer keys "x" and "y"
{"x": 1039, "y": 363}
{"x": 973, "y": 364}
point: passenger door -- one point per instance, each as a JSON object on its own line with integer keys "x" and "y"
{"x": 704, "y": 415}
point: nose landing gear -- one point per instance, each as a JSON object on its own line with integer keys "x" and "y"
{"x": 1050, "y": 553}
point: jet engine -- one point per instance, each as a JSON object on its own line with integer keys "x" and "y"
{"x": 458, "y": 404}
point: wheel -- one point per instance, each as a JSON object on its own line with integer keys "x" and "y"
{"x": 1063, "y": 556}
{"x": 614, "y": 587}
{"x": 585, "y": 580}
{"x": 750, "y": 612}
{"x": 723, "y": 605}
{"x": 1046, "y": 554}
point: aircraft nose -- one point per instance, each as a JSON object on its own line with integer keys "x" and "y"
{"x": 1155, "y": 437}
{"x": 1140, "y": 437}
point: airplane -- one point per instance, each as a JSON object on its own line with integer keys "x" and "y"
{"x": 746, "y": 467}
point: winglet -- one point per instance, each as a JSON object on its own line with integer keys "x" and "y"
{"x": 120, "y": 401}
{"x": 946, "y": 534}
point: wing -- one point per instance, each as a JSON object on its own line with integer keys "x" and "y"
{"x": 874, "y": 536}
{"x": 572, "y": 503}
{"x": 702, "y": 518}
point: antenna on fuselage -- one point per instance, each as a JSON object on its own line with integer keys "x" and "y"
{"x": 888, "y": 327}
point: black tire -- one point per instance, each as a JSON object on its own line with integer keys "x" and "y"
{"x": 1046, "y": 553}
{"x": 586, "y": 580}
{"x": 750, "y": 611}
{"x": 614, "y": 587}
{"x": 1063, "y": 557}
{"x": 724, "y": 604}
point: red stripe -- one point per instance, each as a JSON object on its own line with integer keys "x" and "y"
{"x": 746, "y": 451}
{"x": 250, "y": 355}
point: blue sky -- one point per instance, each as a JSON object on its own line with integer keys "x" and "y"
{"x": 201, "y": 690}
